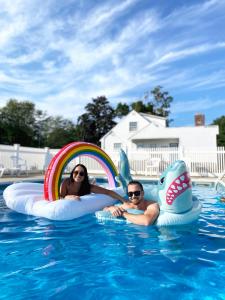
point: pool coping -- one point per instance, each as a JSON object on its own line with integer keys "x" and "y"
{"x": 198, "y": 180}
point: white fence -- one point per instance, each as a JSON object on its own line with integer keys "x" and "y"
{"x": 200, "y": 162}
{"x": 205, "y": 162}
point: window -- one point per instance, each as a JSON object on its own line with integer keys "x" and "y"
{"x": 132, "y": 126}
{"x": 117, "y": 146}
{"x": 140, "y": 146}
{"x": 174, "y": 145}
{"x": 145, "y": 145}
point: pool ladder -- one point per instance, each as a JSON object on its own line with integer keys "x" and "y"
{"x": 220, "y": 185}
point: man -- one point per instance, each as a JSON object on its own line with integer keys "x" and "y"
{"x": 136, "y": 201}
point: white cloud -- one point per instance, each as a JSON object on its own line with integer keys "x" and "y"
{"x": 196, "y": 105}
{"x": 186, "y": 52}
{"x": 105, "y": 14}
{"x": 58, "y": 51}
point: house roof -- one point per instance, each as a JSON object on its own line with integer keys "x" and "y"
{"x": 148, "y": 117}
{"x": 145, "y": 115}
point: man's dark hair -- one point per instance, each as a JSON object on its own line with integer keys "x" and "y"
{"x": 135, "y": 182}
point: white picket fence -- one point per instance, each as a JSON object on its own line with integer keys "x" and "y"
{"x": 148, "y": 162}
{"x": 200, "y": 162}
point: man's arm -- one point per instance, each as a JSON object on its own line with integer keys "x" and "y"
{"x": 116, "y": 211}
{"x": 147, "y": 218}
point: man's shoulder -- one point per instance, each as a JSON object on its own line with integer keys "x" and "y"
{"x": 150, "y": 204}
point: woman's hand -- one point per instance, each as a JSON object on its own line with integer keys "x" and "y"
{"x": 72, "y": 197}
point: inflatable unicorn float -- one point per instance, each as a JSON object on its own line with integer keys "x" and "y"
{"x": 173, "y": 192}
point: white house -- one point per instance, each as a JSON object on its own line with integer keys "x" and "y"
{"x": 138, "y": 131}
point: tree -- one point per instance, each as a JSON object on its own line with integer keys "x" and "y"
{"x": 17, "y": 123}
{"x": 41, "y": 128}
{"x": 221, "y": 136}
{"x": 139, "y": 106}
{"x": 86, "y": 128}
{"x": 21, "y": 123}
{"x": 155, "y": 102}
{"x": 122, "y": 109}
{"x": 160, "y": 102}
{"x": 57, "y": 132}
{"x": 97, "y": 120}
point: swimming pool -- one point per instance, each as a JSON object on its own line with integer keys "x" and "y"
{"x": 85, "y": 259}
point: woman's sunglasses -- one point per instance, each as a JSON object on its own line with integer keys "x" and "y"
{"x": 77, "y": 172}
{"x": 135, "y": 193}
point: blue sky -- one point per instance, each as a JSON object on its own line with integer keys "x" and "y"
{"x": 61, "y": 54}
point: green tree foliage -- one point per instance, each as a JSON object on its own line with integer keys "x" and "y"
{"x": 21, "y": 123}
{"x": 97, "y": 120}
{"x": 41, "y": 129}
{"x": 160, "y": 102}
{"x": 156, "y": 102}
{"x": 139, "y": 106}
{"x": 58, "y": 132}
{"x": 17, "y": 123}
{"x": 122, "y": 109}
{"x": 221, "y": 136}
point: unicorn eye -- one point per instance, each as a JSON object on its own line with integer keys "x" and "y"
{"x": 162, "y": 180}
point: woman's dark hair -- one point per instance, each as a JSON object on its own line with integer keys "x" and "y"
{"x": 85, "y": 187}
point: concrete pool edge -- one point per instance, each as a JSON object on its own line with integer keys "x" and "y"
{"x": 195, "y": 180}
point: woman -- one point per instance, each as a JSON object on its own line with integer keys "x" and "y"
{"x": 78, "y": 185}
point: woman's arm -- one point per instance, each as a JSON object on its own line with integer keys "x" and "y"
{"x": 100, "y": 190}
{"x": 64, "y": 193}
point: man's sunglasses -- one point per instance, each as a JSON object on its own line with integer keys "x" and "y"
{"x": 77, "y": 172}
{"x": 135, "y": 193}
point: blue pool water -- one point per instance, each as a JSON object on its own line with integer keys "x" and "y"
{"x": 84, "y": 259}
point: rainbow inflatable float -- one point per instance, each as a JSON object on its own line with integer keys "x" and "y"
{"x": 65, "y": 155}
{"x": 42, "y": 200}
